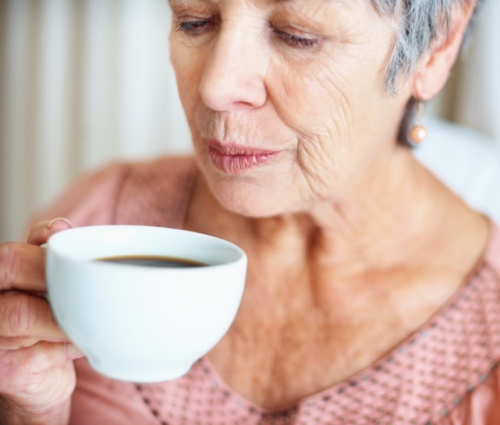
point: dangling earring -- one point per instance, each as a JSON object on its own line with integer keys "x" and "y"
{"x": 418, "y": 133}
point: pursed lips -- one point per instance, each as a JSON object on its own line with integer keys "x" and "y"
{"x": 236, "y": 159}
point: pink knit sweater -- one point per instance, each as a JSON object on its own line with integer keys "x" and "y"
{"x": 445, "y": 373}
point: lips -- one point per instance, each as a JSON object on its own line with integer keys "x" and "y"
{"x": 236, "y": 159}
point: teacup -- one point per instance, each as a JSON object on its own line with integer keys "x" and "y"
{"x": 139, "y": 323}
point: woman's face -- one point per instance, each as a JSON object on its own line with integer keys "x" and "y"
{"x": 284, "y": 98}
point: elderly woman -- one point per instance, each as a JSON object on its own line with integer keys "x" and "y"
{"x": 373, "y": 292}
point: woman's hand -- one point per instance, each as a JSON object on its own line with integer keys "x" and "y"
{"x": 37, "y": 376}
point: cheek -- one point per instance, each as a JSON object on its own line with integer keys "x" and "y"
{"x": 334, "y": 108}
{"x": 326, "y": 97}
{"x": 303, "y": 100}
{"x": 316, "y": 102}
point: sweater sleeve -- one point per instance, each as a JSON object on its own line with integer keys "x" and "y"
{"x": 90, "y": 200}
{"x": 99, "y": 400}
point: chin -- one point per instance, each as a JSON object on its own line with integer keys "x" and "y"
{"x": 256, "y": 209}
{"x": 249, "y": 200}
{"x": 249, "y": 196}
{"x": 264, "y": 191}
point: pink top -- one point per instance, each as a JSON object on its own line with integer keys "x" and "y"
{"x": 445, "y": 373}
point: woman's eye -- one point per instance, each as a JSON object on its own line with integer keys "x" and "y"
{"x": 295, "y": 41}
{"x": 195, "y": 27}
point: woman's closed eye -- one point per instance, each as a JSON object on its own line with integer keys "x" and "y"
{"x": 296, "y": 41}
{"x": 196, "y": 26}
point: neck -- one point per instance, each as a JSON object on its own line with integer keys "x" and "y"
{"x": 387, "y": 207}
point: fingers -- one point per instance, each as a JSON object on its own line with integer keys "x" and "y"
{"x": 14, "y": 343}
{"x": 35, "y": 372}
{"x": 22, "y": 267}
{"x": 46, "y": 355}
{"x": 38, "y": 358}
{"x": 24, "y": 317}
{"x": 40, "y": 233}
{"x": 35, "y": 355}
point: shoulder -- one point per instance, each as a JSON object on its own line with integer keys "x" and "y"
{"x": 163, "y": 174}
{"x": 89, "y": 198}
{"x": 492, "y": 253}
{"x": 156, "y": 193}
{"x": 124, "y": 191}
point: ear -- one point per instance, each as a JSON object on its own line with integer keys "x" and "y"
{"x": 433, "y": 69}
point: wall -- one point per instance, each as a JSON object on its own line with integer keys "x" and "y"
{"x": 84, "y": 82}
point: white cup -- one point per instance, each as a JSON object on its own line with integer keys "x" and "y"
{"x": 136, "y": 323}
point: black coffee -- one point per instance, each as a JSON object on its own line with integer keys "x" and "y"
{"x": 152, "y": 261}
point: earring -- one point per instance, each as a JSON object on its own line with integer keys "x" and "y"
{"x": 418, "y": 133}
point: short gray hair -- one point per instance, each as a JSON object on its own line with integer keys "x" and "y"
{"x": 418, "y": 24}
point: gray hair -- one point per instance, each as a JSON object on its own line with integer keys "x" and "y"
{"x": 419, "y": 23}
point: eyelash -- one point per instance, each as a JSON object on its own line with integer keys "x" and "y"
{"x": 195, "y": 28}
{"x": 295, "y": 41}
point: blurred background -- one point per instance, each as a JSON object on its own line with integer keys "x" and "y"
{"x": 86, "y": 82}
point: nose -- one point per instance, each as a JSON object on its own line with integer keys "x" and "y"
{"x": 234, "y": 75}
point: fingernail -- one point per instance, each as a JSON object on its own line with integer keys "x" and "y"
{"x": 59, "y": 219}
{"x": 74, "y": 352}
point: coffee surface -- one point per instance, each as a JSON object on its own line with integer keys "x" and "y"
{"x": 153, "y": 261}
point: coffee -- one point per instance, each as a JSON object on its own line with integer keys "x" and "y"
{"x": 153, "y": 261}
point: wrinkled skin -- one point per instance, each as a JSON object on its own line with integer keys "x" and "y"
{"x": 37, "y": 376}
{"x": 301, "y": 78}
